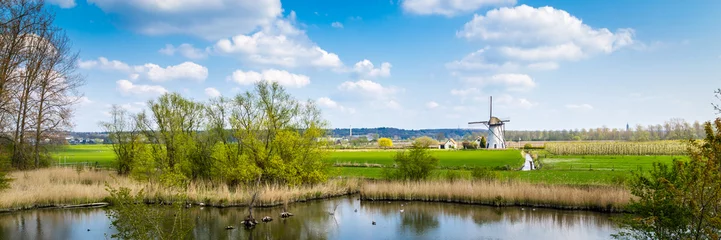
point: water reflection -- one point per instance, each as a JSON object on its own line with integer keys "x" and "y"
{"x": 312, "y": 220}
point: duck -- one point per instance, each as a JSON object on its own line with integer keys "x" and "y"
{"x": 374, "y": 222}
{"x": 267, "y": 219}
{"x": 285, "y": 214}
{"x": 356, "y": 210}
{"x": 402, "y": 210}
{"x": 229, "y": 228}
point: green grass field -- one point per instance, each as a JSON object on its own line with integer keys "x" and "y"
{"x": 448, "y": 159}
{"x": 571, "y": 169}
{"x": 102, "y": 154}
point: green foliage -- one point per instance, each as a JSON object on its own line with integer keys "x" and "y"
{"x": 681, "y": 201}
{"x": 385, "y": 142}
{"x": 260, "y": 135}
{"x": 452, "y": 175}
{"x": 481, "y": 173}
{"x": 425, "y": 141}
{"x": 527, "y": 146}
{"x": 484, "y": 142}
{"x": 414, "y": 164}
{"x": 133, "y": 219}
{"x": 468, "y": 145}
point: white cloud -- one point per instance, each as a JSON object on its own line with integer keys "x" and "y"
{"x": 511, "y": 81}
{"x": 579, "y": 107}
{"x": 543, "y": 33}
{"x": 432, "y": 105}
{"x": 392, "y": 104}
{"x": 186, "y": 70}
{"x": 367, "y": 69}
{"x": 329, "y": 103}
{"x": 210, "y": 19}
{"x": 336, "y": 25}
{"x": 129, "y": 88}
{"x": 62, "y": 3}
{"x": 185, "y": 50}
{"x": 368, "y": 88}
{"x": 212, "y": 92}
{"x": 104, "y": 64}
{"x": 512, "y": 102}
{"x": 271, "y": 75}
{"x": 482, "y": 60}
{"x": 543, "y": 66}
{"x": 465, "y": 92}
{"x": 449, "y": 7}
{"x": 281, "y": 44}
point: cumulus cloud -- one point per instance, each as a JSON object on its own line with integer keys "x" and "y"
{"x": 185, "y": 50}
{"x": 330, "y": 104}
{"x": 579, "y": 107}
{"x": 280, "y": 44}
{"x": 543, "y": 66}
{"x": 542, "y": 34}
{"x": 368, "y": 88}
{"x": 513, "y": 102}
{"x": 62, "y": 3}
{"x": 449, "y": 7}
{"x": 511, "y": 81}
{"x": 210, "y": 19}
{"x": 186, "y": 70}
{"x": 212, "y": 92}
{"x": 153, "y": 72}
{"x": 336, "y": 25}
{"x": 104, "y": 64}
{"x": 367, "y": 69}
{"x": 129, "y": 88}
{"x": 432, "y": 105}
{"x": 466, "y": 92}
{"x": 271, "y": 75}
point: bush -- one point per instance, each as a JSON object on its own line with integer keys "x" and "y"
{"x": 414, "y": 164}
{"x": 452, "y": 175}
{"x": 527, "y": 146}
{"x": 482, "y": 173}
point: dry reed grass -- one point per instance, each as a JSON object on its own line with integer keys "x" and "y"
{"x": 607, "y": 199}
{"x": 60, "y": 186}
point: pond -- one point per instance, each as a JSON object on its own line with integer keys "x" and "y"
{"x": 418, "y": 220}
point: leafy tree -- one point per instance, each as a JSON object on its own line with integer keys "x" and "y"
{"x": 414, "y": 164}
{"x": 125, "y": 136}
{"x": 426, "y": 141}
{"x": 468, "y": 145}
{"x": 484, "y": 142}
{"x": 681, "y": 201}
{"x": 385, "y": 142}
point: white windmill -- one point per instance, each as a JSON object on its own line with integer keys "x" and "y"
{"x": 496, "y": 129}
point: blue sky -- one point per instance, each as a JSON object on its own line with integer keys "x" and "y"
{"x": 410, "y": 63}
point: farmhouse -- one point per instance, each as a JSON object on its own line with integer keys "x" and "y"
{"x": 449, "y": 144}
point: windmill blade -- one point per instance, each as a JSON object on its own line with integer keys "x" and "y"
{"x": 476, "y": 123}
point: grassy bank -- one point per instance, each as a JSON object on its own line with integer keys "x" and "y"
{"x": 607, "y": 199}
{"x": 52, "y": 186}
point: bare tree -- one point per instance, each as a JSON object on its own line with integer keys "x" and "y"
{"x": 38, "y": 84}
{"x": 716, "y": 106}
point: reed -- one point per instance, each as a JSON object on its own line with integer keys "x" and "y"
{"x": 496, "y": 193}
{"x": 617, "y": 148}
{"x": 62, "y": 186}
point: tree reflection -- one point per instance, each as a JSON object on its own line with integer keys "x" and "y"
{"x": 418, "y": 222}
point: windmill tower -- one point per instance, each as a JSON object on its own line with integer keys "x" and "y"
{"x": 496, "y": 129}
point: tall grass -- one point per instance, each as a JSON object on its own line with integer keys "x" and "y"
{"x": 608, "y": 199}
{"x": 61, "y": 186}
{"x": 617, "y": 148}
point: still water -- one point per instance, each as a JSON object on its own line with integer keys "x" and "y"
{"x": 312, "y": 220}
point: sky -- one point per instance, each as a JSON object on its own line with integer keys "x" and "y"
{"x": 413, "y": 64}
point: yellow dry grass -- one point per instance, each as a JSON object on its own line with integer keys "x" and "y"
{"x": 59, "y": 186}
{"x": 611, "y": 199}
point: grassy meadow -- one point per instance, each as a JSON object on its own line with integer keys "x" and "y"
{"x": 556, "y": 169}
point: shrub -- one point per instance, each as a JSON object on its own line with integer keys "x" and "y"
{"x": 414, "y": 164}
{"x": 482, "y": 173}
{"x": 527, "y": 146}
{"x": 452, "y": 175}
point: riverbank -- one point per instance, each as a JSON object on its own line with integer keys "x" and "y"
{"x": 494, "y": 193}
{"x": 67, "y": 186}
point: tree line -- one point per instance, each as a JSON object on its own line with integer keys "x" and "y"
{"x": 263, "y": 135}
{"x": 673, "y": 129}
{"x": 38, "y": 83}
